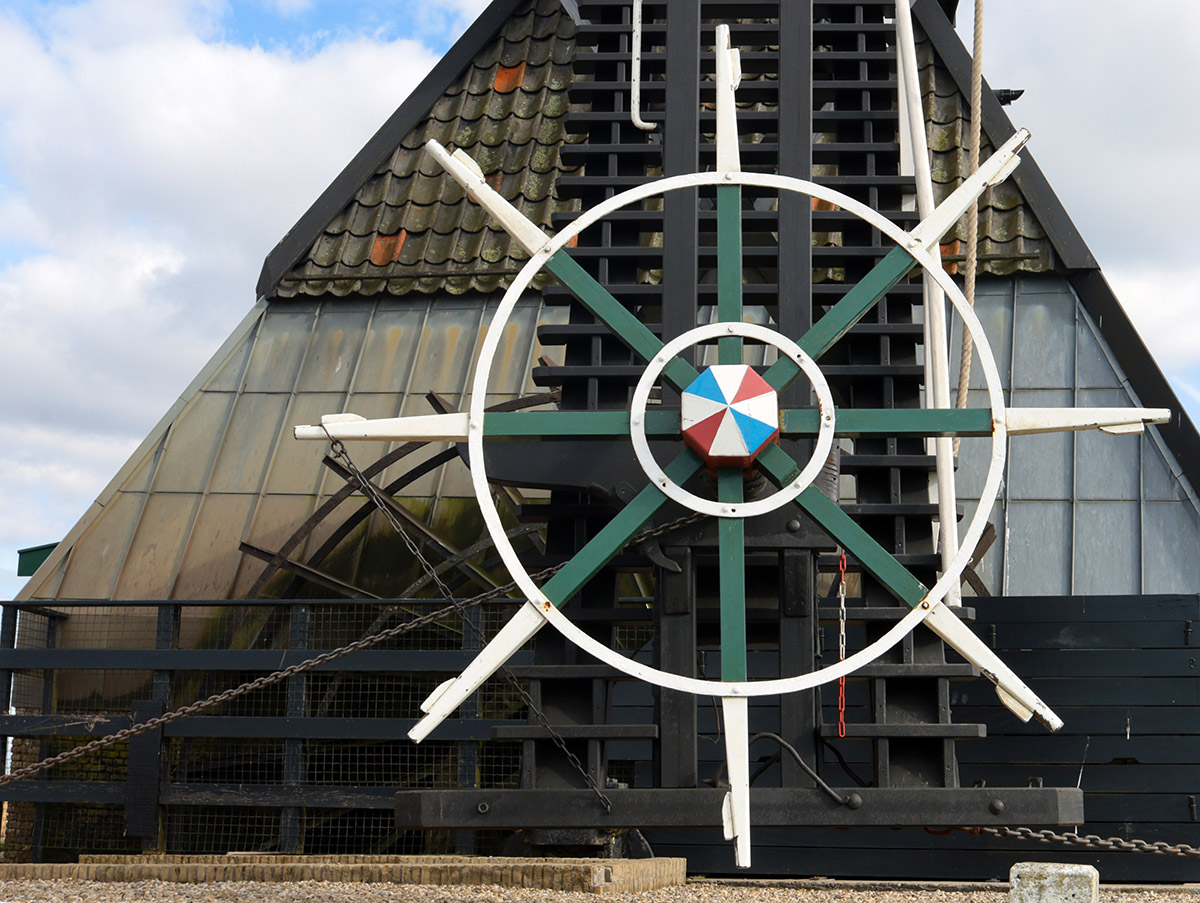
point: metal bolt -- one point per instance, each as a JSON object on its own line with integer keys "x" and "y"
{"x": 483, "y": 808}
{"x": 793, "y": 526}
{"x": 996, "y": 806}
{"x": 925, "y": 604}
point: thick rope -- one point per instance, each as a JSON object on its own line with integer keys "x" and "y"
{"x": 970, "y": 269}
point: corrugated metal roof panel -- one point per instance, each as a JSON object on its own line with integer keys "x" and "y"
{"x": 90, "y": 571}
{"x": 248, "y": 442}
{"x": 154, "y": 557}
{"x": 1170, "y": 563}
{"x": 191, "y": 445}
{"x": 1108, "y": 537}
{"x": 1069, "y": 499}
{"x": 227, "y": 469}
{"x": 208, "y": 570}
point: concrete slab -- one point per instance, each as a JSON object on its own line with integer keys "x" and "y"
{"x": 1053, "y": 882}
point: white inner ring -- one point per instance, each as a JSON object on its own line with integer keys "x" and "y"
{"x": 538, "y": 600}
{"x": 641, "y": 396}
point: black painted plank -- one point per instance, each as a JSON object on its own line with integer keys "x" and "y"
{"x": 1070, "y": 749}
{"x": 1082, "y": 691}
{"x": 1106, "y": 778}
{"x": 1094, "y": 720}
{"x": 1108, "y": 662}
{"x": 1089, "y": 608}
{"x": 1086, "y": 634}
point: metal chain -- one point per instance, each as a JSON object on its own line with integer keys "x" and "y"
{"x": 265, "y": 681}
{"x": 1093, "y": 841}
{"x": 301, "y": 667}
{"x": 842, "y": 644}
{"x": 338, "y": 449}
{"x": 369, "y": 488}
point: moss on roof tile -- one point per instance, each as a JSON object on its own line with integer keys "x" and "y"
{"x": 1011, "y": 239}
{"x": 515, "y": 134}
{"x": 449, "y": 243}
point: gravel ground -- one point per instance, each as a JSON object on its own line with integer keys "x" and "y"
{"x": 694, "y": 892}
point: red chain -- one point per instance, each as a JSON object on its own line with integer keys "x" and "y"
{"x": 842, "y": 645}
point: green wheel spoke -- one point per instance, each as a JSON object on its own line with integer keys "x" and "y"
{"x": 576, "y": 424}
{"x": 891, "y": 422}
{"x": 729, "y": 269}
{"x": 732, "y": 549}
{"x": 600, "y": 549}
{"x": 875, "y": 560}
{"x": 873, "y": 557}
{"x": 842, "y": 316}
{"x": 609, "y": 311}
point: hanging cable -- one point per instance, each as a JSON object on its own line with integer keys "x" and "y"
{"x": 972, "y": 261}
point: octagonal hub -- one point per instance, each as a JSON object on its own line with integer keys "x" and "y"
{"x": 729, "y": 414}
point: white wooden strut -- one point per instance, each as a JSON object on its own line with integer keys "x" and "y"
{"x": 937, "y": 355}
{"x": 466, "y": 172}
{"x": 426, "y": 428}
{"x": 1117, "y": 421}
{"x": 735, "y": 808}
{"x": 729, "y": 76}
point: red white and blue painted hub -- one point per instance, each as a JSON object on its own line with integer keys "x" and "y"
{"x": 729, "y": 414}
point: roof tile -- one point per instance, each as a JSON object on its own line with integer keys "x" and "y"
{"x": 513, "y": 127}
{"x": 1010, "y": 237}
{"x": 512, "y": 124}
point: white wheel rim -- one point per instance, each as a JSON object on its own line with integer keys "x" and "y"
{"x": 675, "y": 492}
{"x": 611, "y": 657}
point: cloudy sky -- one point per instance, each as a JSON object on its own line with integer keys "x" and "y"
{"x": 153, "y": 151}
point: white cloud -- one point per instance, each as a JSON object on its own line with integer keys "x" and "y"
{"x": 1109, "y": 92}
{"x": 291, "y": 7}
{"x": 1163, "y": 304}
{"x": 151, "y": 170}
{"x": 1108, "y": 95}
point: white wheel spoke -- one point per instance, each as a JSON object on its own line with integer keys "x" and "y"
{"x": 1010, "y": 688}
{"x": 735, "y": 810}
{"x": 999, "y": 166}
{"x": 1028, "y": 421}
{"x": 442, "y": 702}
{"x": 729, "y": 73}
{"x": 466, "y": 172}
{"x": 425, "y": 428}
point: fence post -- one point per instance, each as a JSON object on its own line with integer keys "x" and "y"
{"x": 142, "y": 781}
{"x": 293, "y": 748}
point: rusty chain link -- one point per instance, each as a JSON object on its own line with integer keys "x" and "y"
{"x": 372, "y": 492}
{"x": 338, "y": 449}
{"x": 456, "y": 607}
{"x": 265, "y": 681}
{"x": 1092, "y": 841}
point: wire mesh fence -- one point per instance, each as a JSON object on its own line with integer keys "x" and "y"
{"x": 254, "y": 743}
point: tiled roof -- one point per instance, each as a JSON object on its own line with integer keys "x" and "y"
{"x": 1010, "y": 237}
{"x": 410, "y": 227}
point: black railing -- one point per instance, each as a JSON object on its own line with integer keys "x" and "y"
{"x": 274, "y": 769}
